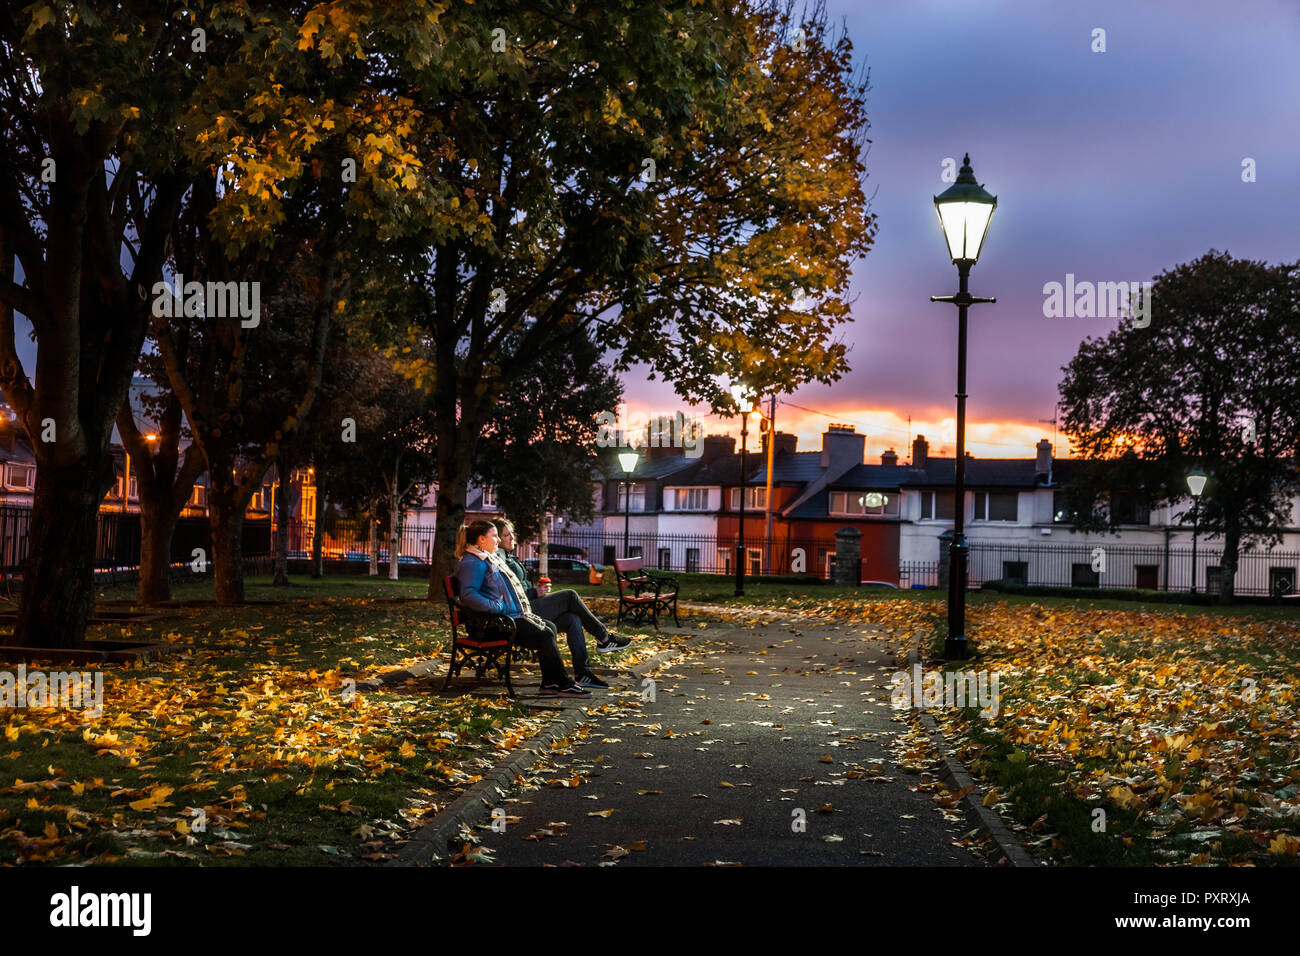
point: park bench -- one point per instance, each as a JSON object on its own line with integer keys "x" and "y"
{"x": 477, "y": 639}
{"x": 644, "y": 594}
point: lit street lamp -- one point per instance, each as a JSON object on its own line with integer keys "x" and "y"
{"x": 1195, "y": 484}
{"x": 965, "y": 210}
{"x": 628, "y": 460}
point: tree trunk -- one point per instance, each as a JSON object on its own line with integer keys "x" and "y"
{"x": 452, "y": 489}
{"x": 543, "y": 549}
{"x": 374, "y": 538}
{"x": 226, "y": 520}
{"x": 394, "y": 520}
{"x": 280, "y": 545}
{"x": 317, "y": 532}
{"x": 58, "y": 594}
{"x": 157, "y": 525}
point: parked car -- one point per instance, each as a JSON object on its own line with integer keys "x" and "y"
{"x": 559, "y": 564}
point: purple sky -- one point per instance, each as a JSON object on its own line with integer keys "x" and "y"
{"x": 1112, "y": 166}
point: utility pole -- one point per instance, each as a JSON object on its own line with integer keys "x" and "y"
{"x": 771, "y": 452}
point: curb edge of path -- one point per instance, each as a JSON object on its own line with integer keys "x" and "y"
{"x": 953, "y": 770}
{"x": 429, "y": 844}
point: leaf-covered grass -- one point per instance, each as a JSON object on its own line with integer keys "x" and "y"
{"x": 1182, "y": 728}
{"x": 254, "y": 725}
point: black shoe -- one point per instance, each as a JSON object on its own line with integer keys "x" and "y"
{"x": 612, "y": 643}
{"x": 591, "y": 680}
{"x": 556, "y": 690}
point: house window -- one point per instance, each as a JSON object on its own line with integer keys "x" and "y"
{"x": 1146, "y": 577}
{"x": 20, "y": 476}
{"x": 1062, "y": 513}
{"x": 691, "y": 499}
{"x": 693, "y": 559}
{"x": 1281, "y": 581}
{"x": 936, "y": 506}
{"x": 199, "y": 497}
{"x": 638, "y": 497}
{"x": 996, "y": 505}
{"x": 1015, "y": 571}
{"x": 753, "y": 561}
{"x": 755, "y": 498}
{"x": 634, "y": 551}
{"x": 1129, "y": 509}
{"x": 1213, "y": 579}
{"x": 132, "y": 492}
{"x": 489, "y": 498}
{"x": 665, "y": 559}
{"x": 1083, "y": 576}
{"x": 863, "y": 503}
{"x": 610, "y": 554}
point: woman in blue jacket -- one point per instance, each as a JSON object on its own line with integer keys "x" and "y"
{"x": 485, "y": 587}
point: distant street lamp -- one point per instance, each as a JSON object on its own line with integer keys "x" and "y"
{"x": 965, "y": 211}
{"x": 1195, "y": 484}
{"x": 744, "y": 399}
{"x": 628, "y": 460}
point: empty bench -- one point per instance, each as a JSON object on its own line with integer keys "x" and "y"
{"x": 643, "y": 594}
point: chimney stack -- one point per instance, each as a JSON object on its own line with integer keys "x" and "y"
{"x": 784, "y": 442}
{"x": 920, "y": 451}
{"x": 1043, "y": 461}
{"x": 718, "y": 445}
{"x": 889, "y": 457}
{"x": 842, "y": 448}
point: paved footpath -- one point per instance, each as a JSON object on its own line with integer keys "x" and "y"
{"x": 768, "y": 727}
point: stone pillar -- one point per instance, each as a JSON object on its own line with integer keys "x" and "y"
{"x": 848, "y": 557}
{"x": 945, "y": 543}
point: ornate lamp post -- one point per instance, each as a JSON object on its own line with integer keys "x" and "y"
{"x": 1195, "y": 484}
{"x": 627, "y": 460}
{"x": 965, "y": 210}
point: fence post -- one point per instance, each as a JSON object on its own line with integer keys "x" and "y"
{"x": 848, "y": 557}
{"x": 945, "y": 543}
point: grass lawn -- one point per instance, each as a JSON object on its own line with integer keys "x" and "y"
{"x": 1178, "y": 721}
{"x": 1181, "y": 728}
{"x": 248, "y": 747}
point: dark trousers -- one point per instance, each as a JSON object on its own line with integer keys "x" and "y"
{"x": 542, "y": 640}
{"x": 568, "y": 612}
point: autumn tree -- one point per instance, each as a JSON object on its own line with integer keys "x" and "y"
{"x": 109, "y": 114}
{"x": 1213, "y": 381}
{"x": 165, "y": 475}
{"x": 573, "y": 150}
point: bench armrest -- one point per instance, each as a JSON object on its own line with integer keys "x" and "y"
{"x": 659, "y": 583}
{"x": 501, "y": 625}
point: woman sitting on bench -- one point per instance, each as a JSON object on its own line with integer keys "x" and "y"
{"x": 485, "y": 586}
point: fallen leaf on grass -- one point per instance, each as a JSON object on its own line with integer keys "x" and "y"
{"x": 600, "y": 813}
